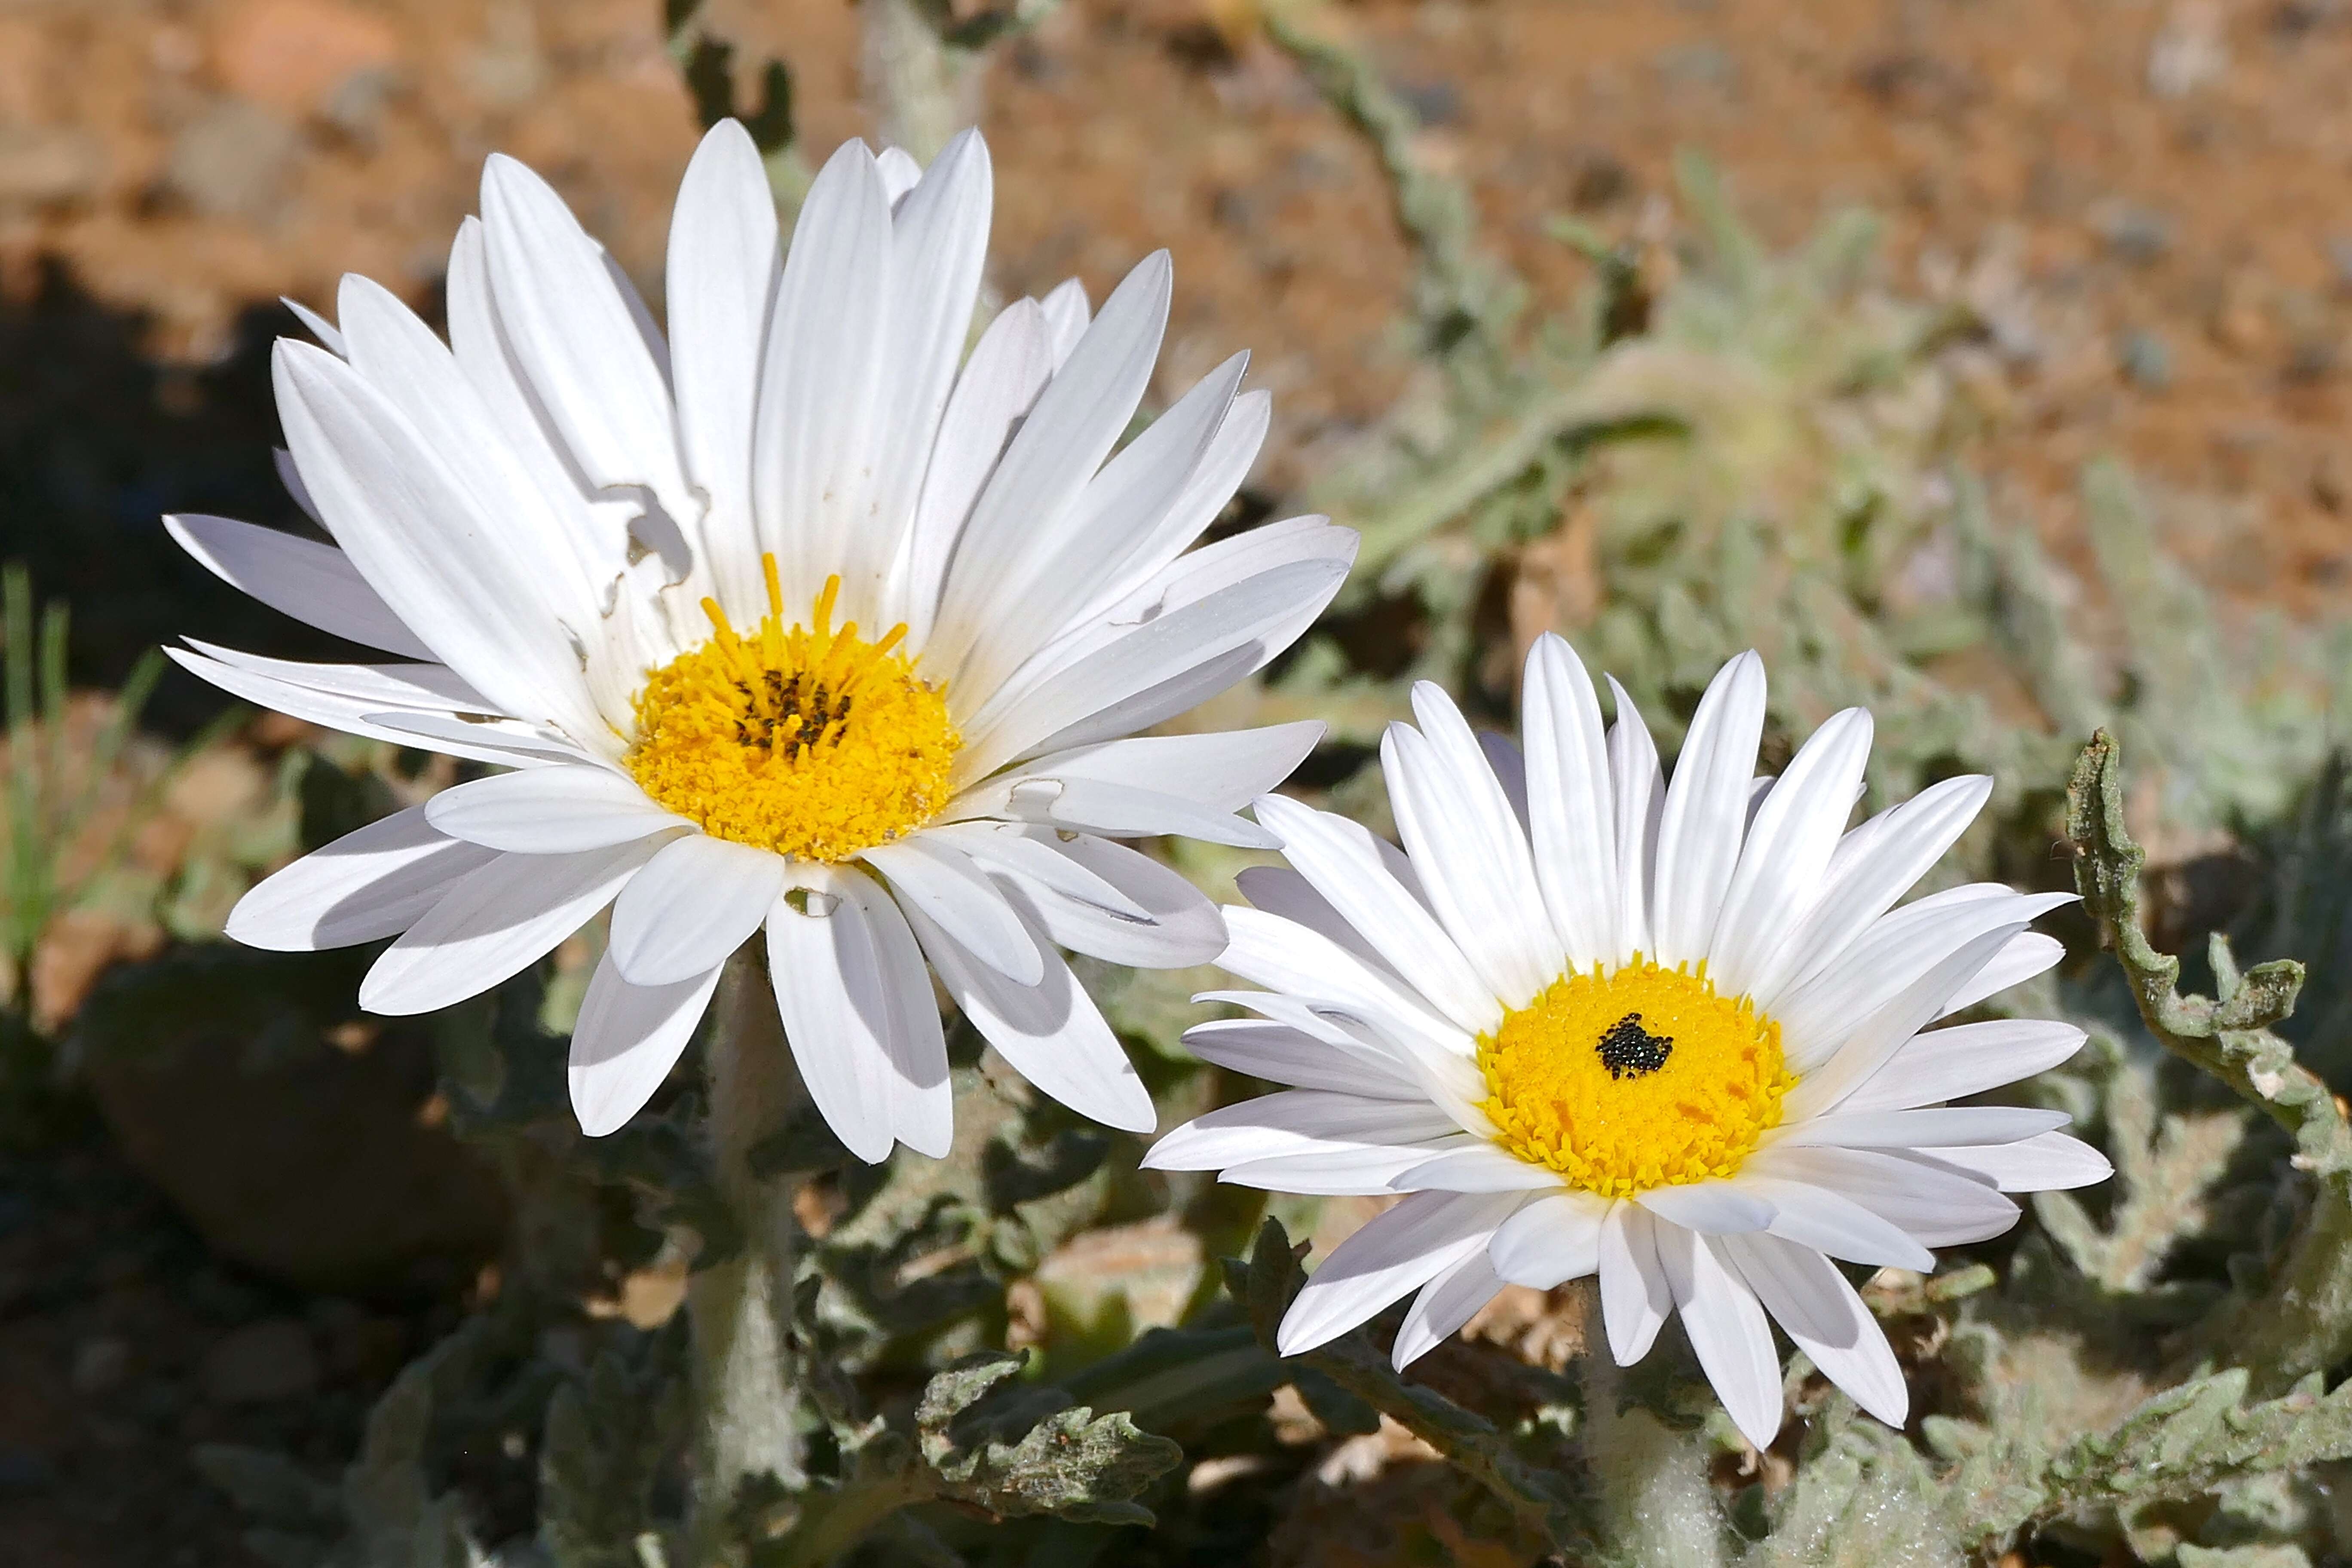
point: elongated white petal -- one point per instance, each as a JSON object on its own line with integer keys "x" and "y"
{"x": 723, "y": 266}
{"x": 1178, "y": 927}
{"x": 1261, "y": 1047}
{"x": 929, "y": 874}
{"x": 627, "y": 1039}
{"x": 2027, "y": 954}
{"x": 1221, "y": 770}
{"x": 1294, "y": 1122}
{"x": 695, "y": 901}
{"x": 1552, "y": 1239}
{"x": 1066, "y": 314}
{"x": 315, "y": 584}
{"x": 1125, "y": 811}
{"x": 1015, "y": 525}
{"x": 1819, "y": 1309}
{"x": 1008, "y": 368}
{"x": 427, "y": 688}
{"x": 834, "y": 996}
{"x": 1728, "y": 1330}
{"x": 370, "y": 883}
{"x": 1281, "y": 892}
{"x": 922, "y": 1099}
{"x": 1832, "y": 1223}
{"x": 1031, "y": 857}
{"x": 1706, "y": 810}
{"x": 2048, "y": 1162}
{"x": 1964, "y": 1059}
{"x": 1051, "y": 1032}
{"x": 1483, "y": 1167}
{"x": 1635, "y": 1294}
{"x": 1458, "y": 827}
{"x": 1400, "y": 1250}
{"x": 1948, "y": 1126}
{"x": 1873, "y": 866}
{"x": 549, "y": 811}
{"x": 1874, "y": 1039}
{"x": 1934, "y": 1202}
{"x": 1788, "y": 850}
{"x": 1710, "y": 1208}
{"x": 493, "y": 922}
{"x": 1343, "y": 862}
{"x": 1215, "y": 479}
{"x": 1444, "y": 1304}
{"x": 575, "y": 337}
{"x": 1354, "y": 1169}
{"x": 812, "y": 458}
{"x": 1638, "y": 791}
{"x": 1572, "y": 806}
{"x": 319, "y": 326}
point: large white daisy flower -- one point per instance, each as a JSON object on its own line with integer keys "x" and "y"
{"x": 1670, "y": 1034}
{"x": 797, "y": 618}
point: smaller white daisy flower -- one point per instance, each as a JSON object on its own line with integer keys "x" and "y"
{"x": 797, "y": 621}
{"x": 1671, "y": 1035}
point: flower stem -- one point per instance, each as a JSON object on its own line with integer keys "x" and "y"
{"x": 746, "y": 1408}
{"x": 1651, "y": 1488}
{"x": 922, "y": 88}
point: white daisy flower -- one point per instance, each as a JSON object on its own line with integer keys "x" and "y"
{"x": 798, "y": 618}
{"x": 1670, "y": 1034}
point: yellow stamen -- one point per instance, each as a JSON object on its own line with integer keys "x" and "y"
{"x": 1646, "y": 1077}
{"x": 812, "y": 743}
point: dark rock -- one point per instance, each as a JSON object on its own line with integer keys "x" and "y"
{"x": 305, "y": 1160}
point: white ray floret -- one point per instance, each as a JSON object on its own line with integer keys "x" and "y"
{"x": 1672, "y": 1033}
{"x": 798, "y": 621}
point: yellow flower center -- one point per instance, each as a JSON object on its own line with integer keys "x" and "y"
{"x": 1641, "y": 1078}
{"x": 812, "y": 743}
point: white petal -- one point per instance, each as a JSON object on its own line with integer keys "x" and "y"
{"x": 1215, "y": 479}
{"x": 2048, "y": 1162}
{"x": 370, "y": 883}
{"x": 1400, "y": 1250}
{"x": 1481, "y": 1168}
{"x": 835, "y": 999}
{"x": 1077, "y": 418}
{"x": 1706, "y": 809}
{"x": 1343, "y": 861}
{"x": 320, "y": 326}
{"x": 1124, "y": 810}
{"x": 315, "y": 584}
{"x": 495, "y": 922}
{"x": 1458, "y": 827}
{"x": 1352, "y": 1169}
{"x": 812, "y": 463}
{"x": 1063, "y": 560}
{"x": 1788, "y": 850}
{"x": 1873, "y": 1038}
{"x": 1819, "y": 1309}
{"x": 1008, "y": 366}
{"x": 1550, "y": 1240}
{"x": 1051, "y": 1032}
{"x": 1261, "y": 1047}
{"x": 933, "y": 876}
{"x": 1935, "y": 1203}
{"x": 2027, "y": 956}
{"x": 1066, "y": 314}
{"x": 1710, "y": 1208}
{"x": 1279, "y": 890}
{"x": 1294, "y": 1122}
{"x": 939, "y": 240}
{"x": 1510, "y": 765}
{"x": 1444, "y": 1304}
{"x": 1223, "y": 770}
{"x": 1964, "y": 1059}
{"x": 696, "y": 901}
{"x": 1728, "y": 1330}
{"x": 1180, "y": 927}
{"x": 723, "y": 266}
{"x": 549, "y": 811}
{"x": 575, "y": 336}
{"x": 1635, "y": 1295}
{"x": 922, "y": 1098}
{"x": 1032, "y": 857}
{"x": 470, "y": 594}
{"x": 1829, "y": 1221}
{"x": 1946, "y": 1126}
{"x": 627, "y": 1039}
{"x": 1638, "y": 792}
{"x": 290, "y": 478}
{"x": 427, "y": 688}
{"x": 1571, "y": 808}
{"x": 1874, "y": 865}
{"x": 1221, "y": 637}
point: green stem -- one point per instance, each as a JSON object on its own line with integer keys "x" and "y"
{"x": 1650, "y": 1493}
{"x": 746, "y": 1408}
{"x": 921, "y": 87}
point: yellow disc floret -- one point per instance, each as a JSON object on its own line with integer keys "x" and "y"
{"x": 807, "y": 741}
{"x": 1641, "y": 1078}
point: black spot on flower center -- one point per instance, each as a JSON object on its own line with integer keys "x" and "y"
{"x": 1628, "y": 1050}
